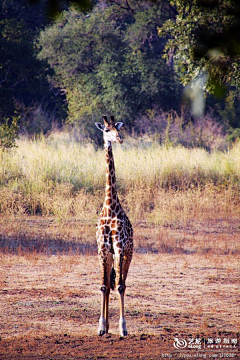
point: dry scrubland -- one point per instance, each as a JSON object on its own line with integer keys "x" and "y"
{"x": 183, "y": 281}
{"x": 60, "y": 177}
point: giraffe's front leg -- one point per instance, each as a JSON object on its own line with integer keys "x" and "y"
{"x": 122, "y": 262}
{"x": 120, "y": 282}
{"x": 122, "y": 321}
{"x": 106, "y": 265}
{"x": 102, "y": 328}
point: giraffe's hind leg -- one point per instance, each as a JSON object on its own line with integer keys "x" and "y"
{"x": 106, "y": 267}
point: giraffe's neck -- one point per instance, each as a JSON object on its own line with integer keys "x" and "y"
{"x": 111, "y": 197}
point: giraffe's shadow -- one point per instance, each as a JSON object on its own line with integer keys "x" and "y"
{"x": 52, "y": 246}
{"x": 48, "y": 246}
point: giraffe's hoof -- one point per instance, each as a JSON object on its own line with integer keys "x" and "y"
{"x": 102, "y": 329}
{"x": 122, "y": 327}
{"x": 101, "y": 332}
{"x": 123, "y": 333}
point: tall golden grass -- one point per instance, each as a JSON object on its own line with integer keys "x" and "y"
{"x": 59, "y": 176}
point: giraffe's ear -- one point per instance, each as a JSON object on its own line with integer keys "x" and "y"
{"x": 99, "y": 126}
{"x": 118, "y": 125}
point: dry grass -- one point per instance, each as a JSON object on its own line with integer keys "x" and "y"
{"x": 64, "y": 178}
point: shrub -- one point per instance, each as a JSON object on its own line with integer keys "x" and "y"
{"x": 8, "y": 132}
{"x": 171, "y": 128}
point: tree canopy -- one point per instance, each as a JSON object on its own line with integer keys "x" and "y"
{"x": 72, "y": 61}
{"x": 204, "y": 41}
{"x": 24, "y": 86}
{"x": 110, "y": 60}
{"x": 205, "y": 36}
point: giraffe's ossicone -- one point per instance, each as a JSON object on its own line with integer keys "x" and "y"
{"x": 114, "y": 234}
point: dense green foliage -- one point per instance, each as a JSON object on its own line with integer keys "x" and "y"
{"x": 24, "y": 87}
{"x": 110, "y": 61}
{"x": 204, "y": 40}
{"x": 129, "y": 58}
{"x": 206, "y": 36}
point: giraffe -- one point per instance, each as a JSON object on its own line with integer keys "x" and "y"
{"x": 114, "y": 234}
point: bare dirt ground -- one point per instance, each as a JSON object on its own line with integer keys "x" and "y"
{"x": 182, "y": 296}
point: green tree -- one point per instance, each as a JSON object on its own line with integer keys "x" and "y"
{"x": 110, "y": 60}
{"x": 203, "y": 40}
{"x": 205, "y": 36}
{"x": 23, "y": 79}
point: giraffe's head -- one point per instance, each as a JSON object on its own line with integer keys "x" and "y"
{"x": 110, "y": 130}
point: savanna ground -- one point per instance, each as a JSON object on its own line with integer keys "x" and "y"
{"x": 183, "y": 280}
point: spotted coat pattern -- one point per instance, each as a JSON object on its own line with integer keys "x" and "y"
{"x": 114, "y": 230}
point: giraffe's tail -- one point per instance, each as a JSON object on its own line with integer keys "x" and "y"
{"x": 112, "y": 278}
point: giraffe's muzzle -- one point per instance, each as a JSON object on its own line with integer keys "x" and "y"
{"x": 119, "y": 139}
